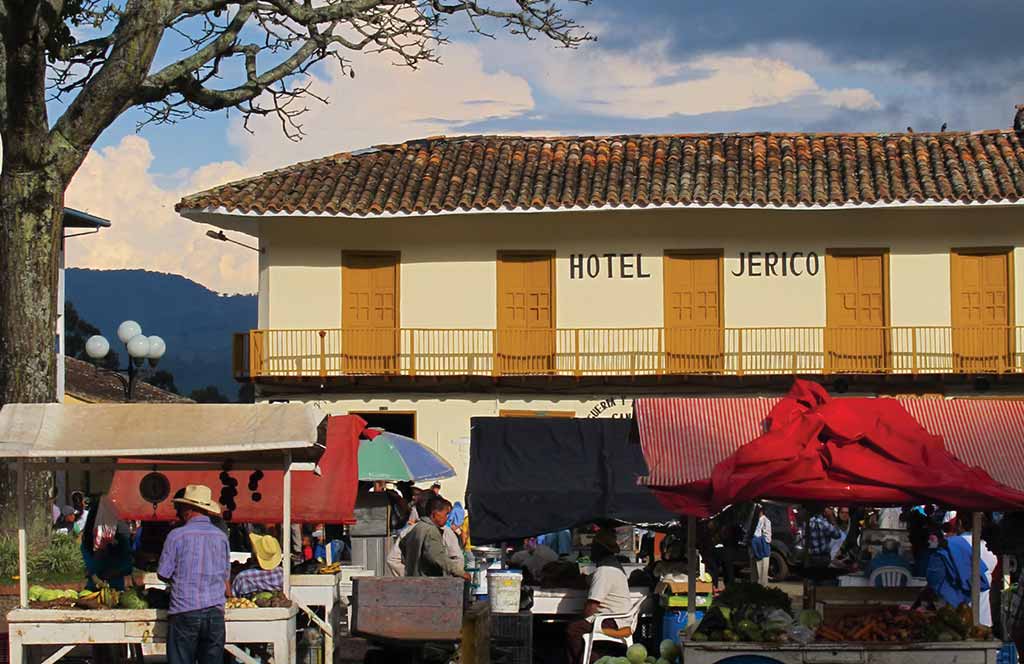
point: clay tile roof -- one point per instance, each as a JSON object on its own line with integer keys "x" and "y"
{"x": 84, "y": 382}
{"x": 448, "y": 174}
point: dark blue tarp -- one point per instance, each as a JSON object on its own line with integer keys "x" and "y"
{"x": 535, "y": 475}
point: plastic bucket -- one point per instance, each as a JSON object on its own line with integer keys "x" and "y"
{"x": 503, "y": 587}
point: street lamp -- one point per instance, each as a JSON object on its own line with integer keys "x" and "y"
{"x": 140, "y": 350}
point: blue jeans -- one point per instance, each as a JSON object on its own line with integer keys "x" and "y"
{"x": 196, "y": 636}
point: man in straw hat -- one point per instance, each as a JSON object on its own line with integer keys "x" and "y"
{"x": 608, "y": 594}
{"x": 265, "y": 571}
{"x": 196, "y": 564}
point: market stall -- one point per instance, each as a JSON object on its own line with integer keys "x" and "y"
{"x": 264, "y": 437}
{"x": 812, "y": 448}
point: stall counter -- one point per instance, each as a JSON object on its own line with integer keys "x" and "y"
{"x": 70, "y": 627}
{"x": 332, "y": 593}
{"x": 961, "y": 652}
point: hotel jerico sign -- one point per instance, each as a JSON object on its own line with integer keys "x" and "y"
{"x": 778, "y": 264}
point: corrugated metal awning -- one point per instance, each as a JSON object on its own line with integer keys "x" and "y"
{"x": 150, "y": 430}
{"x": 683, "y": 439}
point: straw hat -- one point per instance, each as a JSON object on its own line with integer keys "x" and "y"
{"x": 267, "y": 550}
{"x": 200, "y": 497}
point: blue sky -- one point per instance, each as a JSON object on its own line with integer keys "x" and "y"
{"x": 657, "y": 66}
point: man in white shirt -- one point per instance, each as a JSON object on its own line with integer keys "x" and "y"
{"x": 608, "y": 594}
{"x": 762, "y": 529}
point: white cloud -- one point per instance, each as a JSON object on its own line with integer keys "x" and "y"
{"x": 385, "y": 103}
{"x": 855, "y": 99}
{"x": 116, "y": 183}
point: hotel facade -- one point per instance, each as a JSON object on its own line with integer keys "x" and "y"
{"x": 425, "y": 283}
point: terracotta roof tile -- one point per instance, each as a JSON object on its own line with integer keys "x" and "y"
{"x": 441, "y": 174}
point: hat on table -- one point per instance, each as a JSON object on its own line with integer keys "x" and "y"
{"x": 267, "y": 550}
{"x": 200, "y": 497}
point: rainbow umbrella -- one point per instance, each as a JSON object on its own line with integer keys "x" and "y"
{"x": 394, "y": 458}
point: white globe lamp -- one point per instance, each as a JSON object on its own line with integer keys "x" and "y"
{"x": 157, "y": 348}
{"x": 128, "y": 330}
{"x": 138, "y": 347}
{"x": 97, "y": 347}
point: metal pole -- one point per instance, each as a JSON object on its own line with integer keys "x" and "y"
{"x": 691, "y": 572}
{"x": 976, "y": 567}
{"x": 286, "y": 524}
{"x": 22, "y": 538}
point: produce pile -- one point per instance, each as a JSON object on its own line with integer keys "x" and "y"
{"x": 637, "y": 654}
{"x": 333, "y": 568}
{"x": 104, "y": 598}
{"x": 896, "y": 625}
{"x": 751, "y": 612}
{"x": 266, "y": 599}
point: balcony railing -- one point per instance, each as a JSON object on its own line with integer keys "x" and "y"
{"x": 651, "y": 351}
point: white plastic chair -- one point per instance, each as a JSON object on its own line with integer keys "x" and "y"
{"x": 889, "y": 577}
{"x": 598, "y": 635}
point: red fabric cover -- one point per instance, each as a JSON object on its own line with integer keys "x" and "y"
{"x": 329, "y": 497}
{"x": 850, "y": 451}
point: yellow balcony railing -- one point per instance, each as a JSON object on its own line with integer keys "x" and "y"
{"x": 648, "y": 351}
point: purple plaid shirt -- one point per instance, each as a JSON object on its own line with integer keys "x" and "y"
{"x": 196, "y": 560}
{"x": 257, "y": 580}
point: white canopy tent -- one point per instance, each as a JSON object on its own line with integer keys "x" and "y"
{"x": 250, "y": 435}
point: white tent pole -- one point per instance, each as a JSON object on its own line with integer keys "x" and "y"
{"x": 286, "y": 524}
{"x": 691, "y": 573}
{"x": 976, "y": 567}
{"x": 22, "y": 538}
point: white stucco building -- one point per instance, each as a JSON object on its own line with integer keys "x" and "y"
{"x": 425, "y": 283}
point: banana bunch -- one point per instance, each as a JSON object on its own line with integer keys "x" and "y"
{"x": 109, "y": 597}
{"x": 333, "y": 568}
{"x": 240, "y": 603}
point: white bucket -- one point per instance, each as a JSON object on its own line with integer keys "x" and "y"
{"x": 503, "y": 588}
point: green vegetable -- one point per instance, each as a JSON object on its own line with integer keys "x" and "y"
{"x": 265, "y": 595}
{"x": 130, "y": 599}
{"x": 663, "y": 661}
{"x": 700, "y": 636}
{"x": 729, "y": 635}
{"x": 668, "y": 649}
{"x": 744, "y": 595}
{"x": 637, "y": 654}
{"x": 35, "y": 592}
{"x": 947, "y": 636}
{"x": 810, "y": 619}
{"x": 651, "y": 659}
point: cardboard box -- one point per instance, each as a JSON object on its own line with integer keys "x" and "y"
{"x": 681, "y": 588}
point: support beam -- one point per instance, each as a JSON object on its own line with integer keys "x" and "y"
{"x": 22, "y": 538}
{"x": 286, "y": 524}
{"x": 691, "y": 573}
{"x": 241, "y": 655}
{"x": 57, "y": 656}
{"x": 976, "y": 567}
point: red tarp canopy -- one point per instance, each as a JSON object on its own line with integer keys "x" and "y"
{"x": 329, "y": 497}
{"x": 851, "y": 451}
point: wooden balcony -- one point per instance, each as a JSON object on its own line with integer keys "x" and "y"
{"x": 332, "y": 353}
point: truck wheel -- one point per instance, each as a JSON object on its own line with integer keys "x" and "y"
{"x": 778, "y": 568}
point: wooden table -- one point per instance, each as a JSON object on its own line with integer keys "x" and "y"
{"x": 71, "y": 627}
{"x": 962, "y": 652}
{"x": 569, "y": 601}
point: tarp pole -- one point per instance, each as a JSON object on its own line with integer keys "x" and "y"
{"x": 976, "y": 567}
{"x": 22, "y": 537}
{"x": 286, "y": 523}
{"x": 691, "y": 573}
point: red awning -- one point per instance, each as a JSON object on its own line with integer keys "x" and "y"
{"x": 708, "y": 452}
{"x": 329, "y": 497}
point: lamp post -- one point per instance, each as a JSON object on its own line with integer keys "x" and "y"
{"x": 140, "y": 350}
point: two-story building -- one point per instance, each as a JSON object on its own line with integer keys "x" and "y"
{"x": 425, "y": 283}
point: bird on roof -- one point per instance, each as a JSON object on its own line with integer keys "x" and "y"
{"x": 1018, "y": 120}
{"x": 910, "y": 130}
{"x": 944, "y": 127}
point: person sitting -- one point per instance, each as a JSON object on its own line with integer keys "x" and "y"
{"x": 888, "y": 556}
{"x": 532, "y": 560}
{"x": 608, "y": 594}
{"x": 265, "y": 572}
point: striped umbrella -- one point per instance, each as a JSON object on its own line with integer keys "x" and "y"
{"x": 388, "y": 456}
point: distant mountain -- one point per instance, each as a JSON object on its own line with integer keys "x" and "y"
{"x": 196, "y": 322}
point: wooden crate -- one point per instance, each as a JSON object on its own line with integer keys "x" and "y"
{"x": 407, "y": 609}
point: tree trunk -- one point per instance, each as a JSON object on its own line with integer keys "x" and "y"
{"x": 31, "y": 211}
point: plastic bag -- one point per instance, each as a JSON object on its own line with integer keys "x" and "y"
{"x": 778, "y": 621}
{"x": 106, "y": 524}
{"x": 801, "y": 634}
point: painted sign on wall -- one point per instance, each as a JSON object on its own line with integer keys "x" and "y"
{"x": 608, "y": 266}
{"x": 617, "y": 407}
{"x": 778, "y": 264}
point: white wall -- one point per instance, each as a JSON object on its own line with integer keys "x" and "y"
{"x": 448, "y": 272}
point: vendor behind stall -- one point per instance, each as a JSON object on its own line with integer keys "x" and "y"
{"x": 608, "y": 594}
{"x": 949, "y": 572}
{"x": 265, "y": 572}
{"x": 106, "y": 548}
{"x": 888, "y": 556}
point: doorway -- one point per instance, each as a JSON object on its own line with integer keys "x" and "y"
{"x": 402, "y": 423}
